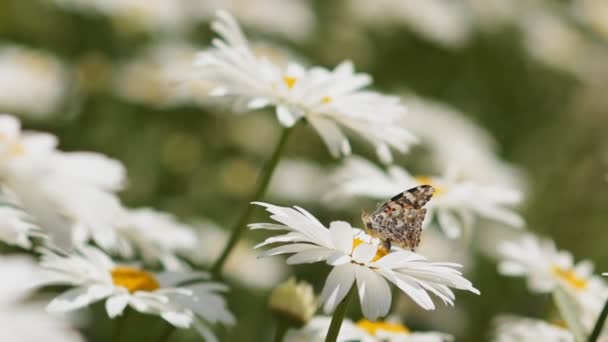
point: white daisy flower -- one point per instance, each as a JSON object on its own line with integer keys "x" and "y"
{"x": 545, "y": 267}
{"x": 455, "y": 204}
{"x": 27, "y": 74}
{"x": 316, "y": 330}
{"x": 69, "y": 195}
{"x": 326, "y": 98}
{"x": 355, "y": 256}
{"x": 444, "y": 22}
{"x": 520, "y": 329}
{"x": 471, "y": 147}
{"x": 17, "y": 276}
{"x": 94, "y": 277}
{"x": 363, "y": 331}
{"x": 155, "y": 237}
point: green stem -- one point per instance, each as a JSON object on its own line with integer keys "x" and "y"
{"x": 599, "y": 324}
{"x": 338, "y": 317}
{"x": 282, "y": 328}
{"x": 119, "y": 326}
{"x": 241, "y": 224}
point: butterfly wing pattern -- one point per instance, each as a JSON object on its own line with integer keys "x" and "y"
{"x": 400, "y": 219}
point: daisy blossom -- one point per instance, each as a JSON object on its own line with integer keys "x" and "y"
{"x": 545, "y": 267}
{"x": 364, "y": 331}
{"x": 17, "y": 276}
{"x": 94, "y": 277}
{"x": 356, "y": 257}
{"x": 519, "y": 329}
{"x": 155, "y": 237}
{"x": 326, "y": 98}
{"x": 69, "y": 195}
{"x": 455, "y": 203}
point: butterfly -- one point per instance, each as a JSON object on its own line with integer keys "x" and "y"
{"x": 400, "y": 219}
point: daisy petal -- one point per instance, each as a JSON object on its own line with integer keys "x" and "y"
{"x": 338, "y": 283}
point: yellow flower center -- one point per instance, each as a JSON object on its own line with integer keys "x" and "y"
{"x": 570, "y": 277}
{"x": 326, "y": 99}
{"x": 134, "y": 279}
{"x": 379, "y": 253}
{"x": 373, "y": 327}
{"x": 290, "y": 81}
{"x": 439, "y": 189}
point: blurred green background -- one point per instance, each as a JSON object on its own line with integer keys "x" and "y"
{"x": 200, "y": 161}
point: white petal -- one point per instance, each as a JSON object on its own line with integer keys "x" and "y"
{"x": 78, "y": 297}
{"x": 374, "y": 293}
{"x": 449, "y": 223}
{"x": 338, "y": 283}
{"x": 364, "y": 253}
{"x": 342, "y": 236}
{"x": 311, "y": 255}
{"x": 205, "y": 332}
{"x": 290, "y": 248}
{"x": 330, "y": 133}
{"x": 411, "y": 288}
{"x": 115, "y": 305}
{"x": 177, "y": 319}
{"x": 286, "y": 118}
{"x": 257, "y": 103}
{"x": 336, "y": 258}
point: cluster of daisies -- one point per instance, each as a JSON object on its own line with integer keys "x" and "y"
{"x": 63, "y": 208}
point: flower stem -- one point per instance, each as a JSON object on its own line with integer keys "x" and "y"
{"x": 262, "y": 185}
{"x": 599, "y": 324}
{"x": 120, "y": 323}
{"x": 338, "y": 317}
{"x": 282, "y": 328}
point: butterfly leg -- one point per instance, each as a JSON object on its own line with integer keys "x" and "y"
{"x": 386, "y": 243}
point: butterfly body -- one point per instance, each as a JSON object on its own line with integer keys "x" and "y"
{"x": 400, "y": 220}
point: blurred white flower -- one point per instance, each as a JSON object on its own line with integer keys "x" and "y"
{"x": 242, "y": 265}
{"x": 520, "y": 329}
{"x": 316, "y": 330}
{"x": 552, "y": 40}
{"x": 161, "y": 76}
{"x": 299, "y": 180}
{"x": 16, "y": 228}
{"x": 326, "y": 98}
{"x": 363, "y": 331}
{"x": 69, "y": 195}
{"x": 27, "y": 74}
{"x": 17, "y": 316}
{"x": 135, "y": 14}
{"x": 470, "y": 146}
{"x": 356, "y": 256}
{"x": 297, "y": 20}
{"x": 93, "y": 276}
{"x": 392, "y": 330}
{"x": 155, "y": 237}
{"x": 594, "y": 13}
{"x": 444, "y": 22}
{"x": 456, "y": 204}
{"x": 545, "y": 267}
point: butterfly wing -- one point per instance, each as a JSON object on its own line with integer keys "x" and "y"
{"x": 400, "y": 219}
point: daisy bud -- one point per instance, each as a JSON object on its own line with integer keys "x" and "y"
{"x": 293, "y": 302}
